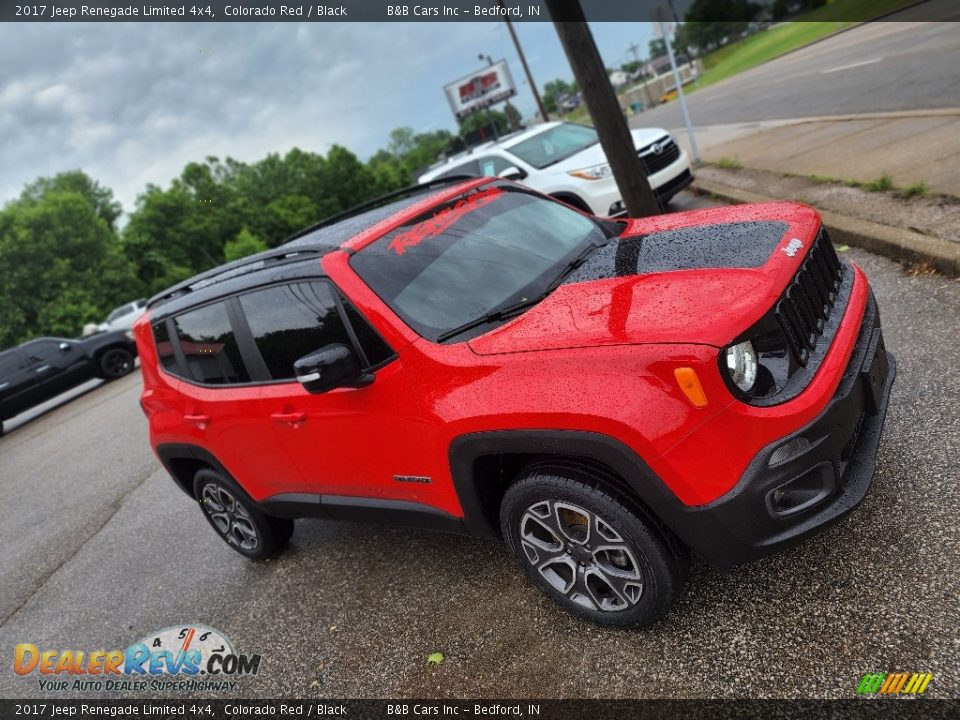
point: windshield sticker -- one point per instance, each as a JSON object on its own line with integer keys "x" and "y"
{"x": 442, "y": 220}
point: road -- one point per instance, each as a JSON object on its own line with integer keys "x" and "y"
{"x": 877, "y": 67}
{"x": 101, "y": 549}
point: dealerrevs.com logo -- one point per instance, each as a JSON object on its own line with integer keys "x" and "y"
{"x": 188, "y": 657}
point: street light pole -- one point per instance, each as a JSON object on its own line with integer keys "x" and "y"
{"x": 601, "y": 101}
{"x": 676, "y": 79}
{"x": 526, "y": 69}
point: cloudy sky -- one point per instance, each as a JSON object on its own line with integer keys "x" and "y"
{"x": 132, "y": 103}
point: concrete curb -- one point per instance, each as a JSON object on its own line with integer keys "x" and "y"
{"x": 897, "y": 243}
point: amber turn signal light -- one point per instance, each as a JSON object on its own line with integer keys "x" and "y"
{"x": 690, "y": 384}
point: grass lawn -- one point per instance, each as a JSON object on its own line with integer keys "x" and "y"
{"x": 768, "y": 44}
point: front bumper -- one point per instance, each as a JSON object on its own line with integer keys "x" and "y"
{"x": 840, "y": 457}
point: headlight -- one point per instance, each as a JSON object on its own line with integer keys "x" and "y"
{"x": 597, "y": 172}
{"x": 130, "y": 336}
{"x": 742, "y": 365}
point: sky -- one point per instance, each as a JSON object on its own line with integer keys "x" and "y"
{"x": 132, "y": 103}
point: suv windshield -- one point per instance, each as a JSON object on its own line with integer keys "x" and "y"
{"x": 491, "y": 248}
{"x": 553, "y": 145}
{"x": 119, "y": 312}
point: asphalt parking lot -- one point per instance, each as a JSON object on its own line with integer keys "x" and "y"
{"x": 100, "y": 549}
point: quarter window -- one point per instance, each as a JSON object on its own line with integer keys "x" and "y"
{"x": 209, "y": 346}
{"x": 161, "y": 337}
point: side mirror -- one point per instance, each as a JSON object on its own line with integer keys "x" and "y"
{"x": 330, "y": 367}
{"x": 512, "y": 173}
{"x": 64, "y": 347}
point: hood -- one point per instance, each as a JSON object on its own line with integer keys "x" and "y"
{"x": 699, "y": 277}
{"x": 594, "y": 154}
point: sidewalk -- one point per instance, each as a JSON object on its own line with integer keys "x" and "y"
{"x": 911, "y": 147}
{"x": 795, "y": 159}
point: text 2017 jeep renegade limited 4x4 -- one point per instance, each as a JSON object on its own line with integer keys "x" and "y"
{"x": 475, "y": 357}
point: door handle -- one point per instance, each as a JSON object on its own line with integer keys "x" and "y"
{"x": 201, "y": 421}
{"x": 292, "y": 418}
{"x": 42, "y": 368}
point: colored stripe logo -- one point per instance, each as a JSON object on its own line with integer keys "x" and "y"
{"x": 901, "y": 683}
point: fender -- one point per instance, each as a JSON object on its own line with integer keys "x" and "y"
{"x": 641, "y": 481}
{"x": 169, "y": 453}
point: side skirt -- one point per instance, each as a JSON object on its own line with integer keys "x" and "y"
{"x": 360, "y": 509}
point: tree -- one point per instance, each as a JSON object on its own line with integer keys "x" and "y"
{"x": 658, "y": 48}
{"x": 482, "y": 119}
{"x": 513, "y": 116}
{"x": 98, "y": 197}
{"x": 715, "y": 22}
{"x": 60, "y": 262}
{"x": 554, "y": 90}
{"x": 244, "y": 244}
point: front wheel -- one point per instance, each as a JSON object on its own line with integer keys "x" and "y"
{"x": 115, "y": 363}
{"x": 236, "y": 520}
{"x": 588, "y": 550}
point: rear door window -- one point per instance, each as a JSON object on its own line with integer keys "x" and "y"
{"x": 209, "y": 346}
{"x": 492, "y": 165}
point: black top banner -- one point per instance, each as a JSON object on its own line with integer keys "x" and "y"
{"x": 462, "y": 11}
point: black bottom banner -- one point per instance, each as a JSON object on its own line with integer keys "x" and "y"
{"x": 908, "y": 709}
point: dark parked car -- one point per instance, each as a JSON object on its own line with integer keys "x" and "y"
{"x": 42, "y": 368}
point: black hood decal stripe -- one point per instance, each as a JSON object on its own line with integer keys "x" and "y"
{"x": 723, "y": 245}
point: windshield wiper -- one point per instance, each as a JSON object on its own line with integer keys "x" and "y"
{"x": 501, "y": 314}
{"x": 518, "y": 307}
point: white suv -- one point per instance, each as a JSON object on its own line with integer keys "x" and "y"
{"x": 565, "y": 160}
{"x": 123, "y": 317}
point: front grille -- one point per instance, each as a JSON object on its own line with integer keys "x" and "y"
{"x": 654, "y": 161}
{"x": 809, "y": 299}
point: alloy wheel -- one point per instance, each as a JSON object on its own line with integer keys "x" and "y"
{"x": 581, "y": 556}
{"x": 229, "y": 517}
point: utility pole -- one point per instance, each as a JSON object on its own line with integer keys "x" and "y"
{"x": 526, "y": 68}
{"x": 601, "y": 101}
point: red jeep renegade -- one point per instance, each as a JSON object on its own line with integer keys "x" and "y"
{"x": 473, "y": 357}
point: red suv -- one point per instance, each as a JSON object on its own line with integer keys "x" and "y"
{"x": 474, "y": 357}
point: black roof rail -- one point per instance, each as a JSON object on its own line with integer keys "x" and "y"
{"x": 274, "y": 255}
{"x": 379, "y": 201}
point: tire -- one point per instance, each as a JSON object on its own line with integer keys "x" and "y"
{"x": 236, "y": 519}
{"x": 620, "y": 571}
{"x": 115, "y": 363}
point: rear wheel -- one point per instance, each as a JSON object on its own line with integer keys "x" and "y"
{"x": 236, "y": 520}
{"x": 115, "y": 363}
{"x": 589, "y": 550}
